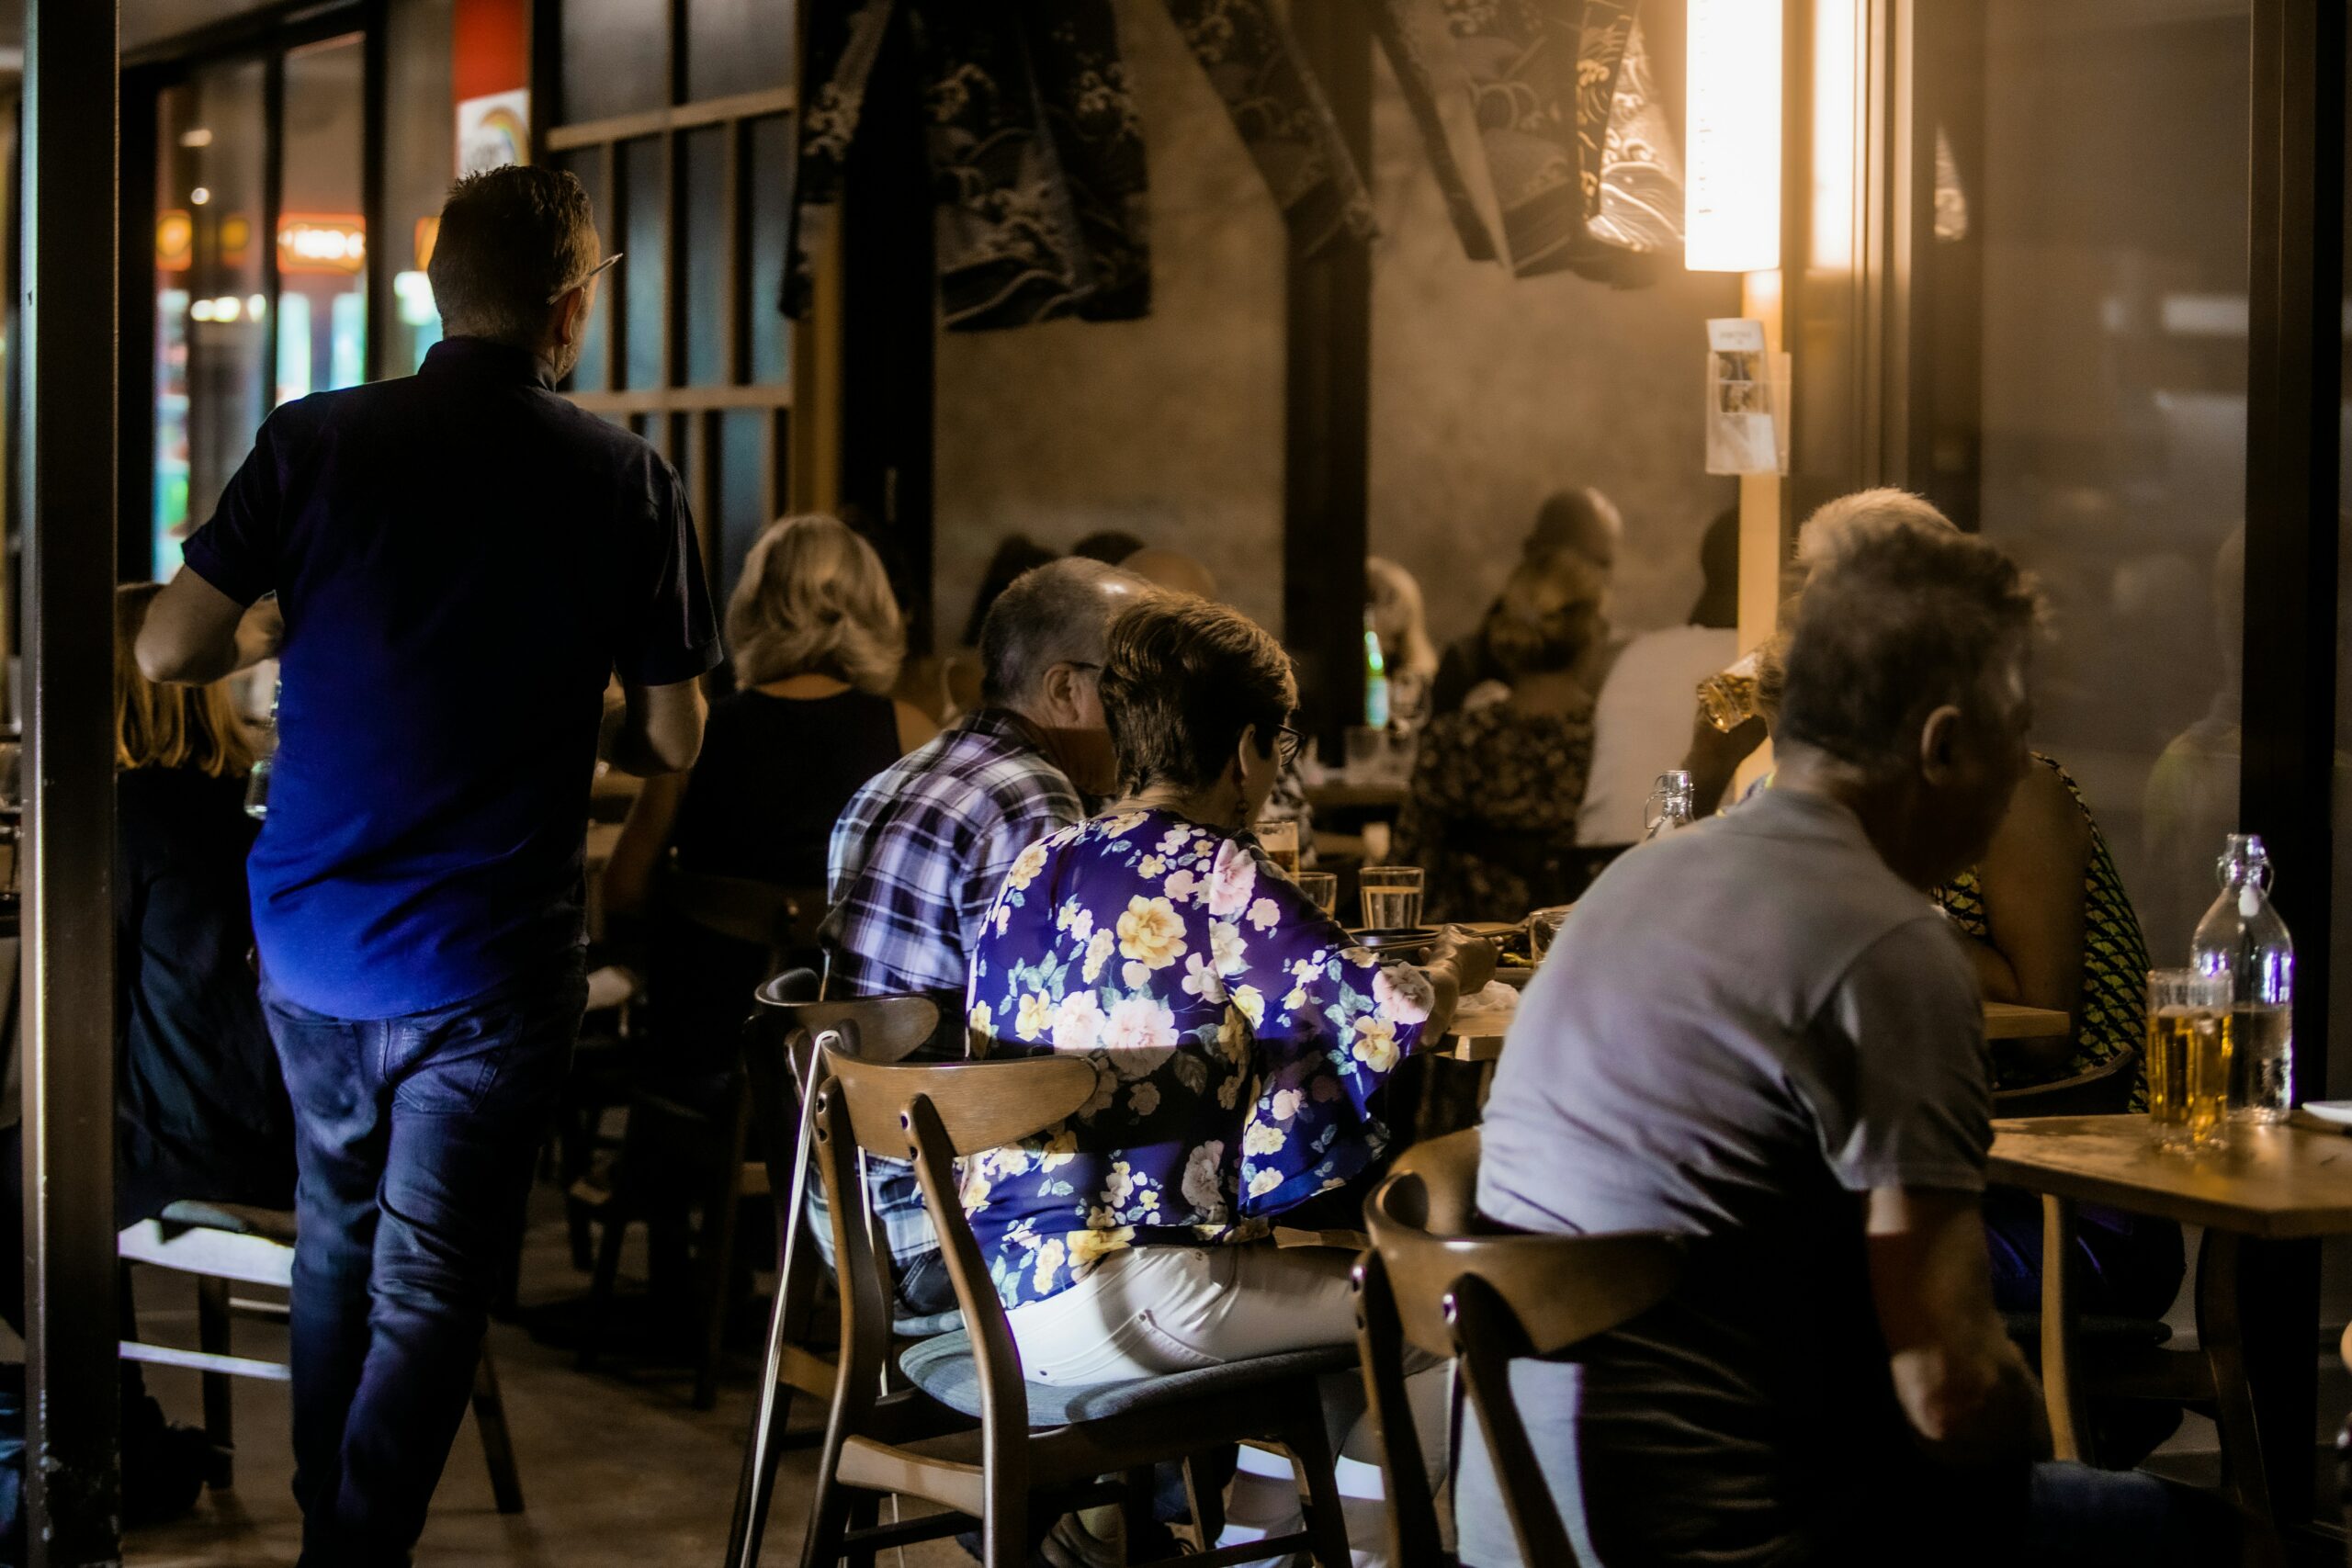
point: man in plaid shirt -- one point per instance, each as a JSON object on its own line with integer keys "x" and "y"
{"x": 921, "y": 850}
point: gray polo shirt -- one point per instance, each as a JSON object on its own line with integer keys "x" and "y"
{"x": 1743, "y": 1028}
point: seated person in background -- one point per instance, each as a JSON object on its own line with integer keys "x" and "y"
{"x": 1759, "y": 1035}
{"x": 201, "y": 1110}
{"x": 2050, "y": 925}
{"x": 1491, "y": 816}
{"x": 1239, "y": 1035}
{"x": 959, "y": 673}
{"x": 818, "y": 643}
{"x": 1639, "y": 725}
{"x": 1582, "y": 522}
{"x": 1407, "y": 654}
{"x": 921, "y": 849}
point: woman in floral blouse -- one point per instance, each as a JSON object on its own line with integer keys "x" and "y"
{"x": 1240, "y": 1036}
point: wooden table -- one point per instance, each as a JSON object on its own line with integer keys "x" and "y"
{"x": 1482, "y": 1040}
{"x": 2268, "y": 1186}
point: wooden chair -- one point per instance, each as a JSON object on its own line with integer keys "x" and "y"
{"x": 222, "y": 1245}
{"x": 669, "y": 1138}
{"x": 2103, "y": 1090}
{"x": 781, "y": 1040}
{"x": 1035, "y": 1444}
{"x": 1439, "y": 1280}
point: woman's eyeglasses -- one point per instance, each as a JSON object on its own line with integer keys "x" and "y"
{"x": 1288, "y": 744}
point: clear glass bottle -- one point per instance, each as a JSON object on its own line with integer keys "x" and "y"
{"x": 1670, "y": 805}
{"x": 1376, "y": 677}
{"x": 2242, "y": 936}
{"x": 264, "y": 754}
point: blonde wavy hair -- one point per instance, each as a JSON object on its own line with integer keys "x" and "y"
{"x": 815, "y": 601}
{"x": 170, "y": 726}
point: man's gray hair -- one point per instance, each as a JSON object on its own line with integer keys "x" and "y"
{"x": 1056, "y": 613}
{"x": 1903, "y": 613}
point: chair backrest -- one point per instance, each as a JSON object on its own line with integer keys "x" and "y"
{"x": 2105, "y": 1090}
{"x": 933, "y": 1113}
{"x": 776, "y": 917}
{"x": 1439, "y": 1278}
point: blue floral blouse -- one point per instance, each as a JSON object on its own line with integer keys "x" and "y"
{"x": 1236, "y": 1032}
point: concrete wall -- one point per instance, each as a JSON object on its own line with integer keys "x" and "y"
{"x": 1488, "y": 393}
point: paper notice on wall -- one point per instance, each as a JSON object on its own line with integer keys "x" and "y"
{"x": 1746, "y": 396}
{"x": 494, "y": 130}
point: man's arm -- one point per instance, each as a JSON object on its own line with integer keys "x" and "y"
{"x": 1962, "y": 1385}
{"x": 195, "y": 633}
{"x": 660, "y": 728}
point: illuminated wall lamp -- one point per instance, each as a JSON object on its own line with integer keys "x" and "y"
{"x": 1732, "y": 212}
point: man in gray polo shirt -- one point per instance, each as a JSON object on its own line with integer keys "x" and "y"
{"x": 1759, "y": 1035}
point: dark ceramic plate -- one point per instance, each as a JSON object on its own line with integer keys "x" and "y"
{"x": 1399, "y": 940}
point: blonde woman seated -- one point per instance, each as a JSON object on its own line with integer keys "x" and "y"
{"x": 1240, "y": 1037}
{"x": 818, "y": 642}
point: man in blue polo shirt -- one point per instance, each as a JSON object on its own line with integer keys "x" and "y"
{"x": 462, "y": 560}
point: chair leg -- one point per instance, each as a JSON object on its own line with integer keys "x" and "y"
{"x": 770, "y": 1407}
{"x": 1327, "y": 1518}
{"x": 865, "y": 1513}
{"x": 497, "y": 1440}
{"x": 723, "y": 1214}
{"x": 1207, "y": 1504}
{"x": 220, "y": 1419}
{"x": 1004, "y": 1530}
{"x": 600, "y": 1286}
{"x": 1135, "y": 1509}
{"x": 829, "y": 1513}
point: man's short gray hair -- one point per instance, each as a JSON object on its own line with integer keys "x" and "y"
{"x": 1903, "y": 613}
{"x": 1056, "y": 613}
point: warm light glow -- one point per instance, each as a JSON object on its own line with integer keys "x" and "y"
{"x": 1732, "y": 218}
{"x": 256, "y": 305}
{"x": 1837, "y": 89}
{"x": 198, "y": 137}
{"x": 200, "y": 196}
{"x": 202, "y": 309}
{"x": 310, "y": 243}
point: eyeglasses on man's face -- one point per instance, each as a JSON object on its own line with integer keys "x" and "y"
{"x": 586, "y": 278}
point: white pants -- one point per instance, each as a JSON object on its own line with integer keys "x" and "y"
{"x": 1150, "y": 1311}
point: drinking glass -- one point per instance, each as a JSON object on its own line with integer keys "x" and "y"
{"x": 2189, "y": 1057}
{"x": 1280, "y": 841}
{"x": 1543, "y": 929}
{"x": 1321, "y": 888}
{"x": 1392, "y": 897}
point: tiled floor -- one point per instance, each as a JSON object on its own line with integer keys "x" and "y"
{"x": 618, "y": 1469}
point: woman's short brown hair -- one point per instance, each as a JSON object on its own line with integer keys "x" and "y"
{"x": 170, "y": 726}
{"x": 1181, "y": 679}
{"x": 815, "y": 601}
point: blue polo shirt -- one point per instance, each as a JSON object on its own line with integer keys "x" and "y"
{"x": 463, "y": 558}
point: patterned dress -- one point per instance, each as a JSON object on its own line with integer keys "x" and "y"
{"x": 1238, "y": 1035}
{"x": 1492, "y": 814}
{"x": 2112, "y": 1012}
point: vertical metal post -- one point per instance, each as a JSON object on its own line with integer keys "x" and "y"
{"x": 69, "y": 347}
{"x": 1327, "y": 407}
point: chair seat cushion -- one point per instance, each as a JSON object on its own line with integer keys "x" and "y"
{"x": 240, "y": 1219}
{"x": 945, "y": 1369}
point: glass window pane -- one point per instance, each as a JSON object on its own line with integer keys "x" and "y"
{"x": 420, "y": 155}
{"x": 594, "y": 348}
{"x": 742, "y": 459}
{"x": 211, "y": 325}
{"x": 706, "y": 254}
{"x": 2096, "y": 212}
{"x": 322, "y": 235}
{"x": 616, "y": 57}
{"x": 770, "y": 173}
{"x": 737, "y": 46}
{"x": 644, "y": 280}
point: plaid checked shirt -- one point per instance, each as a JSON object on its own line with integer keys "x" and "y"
{"x": 917, "y": 858}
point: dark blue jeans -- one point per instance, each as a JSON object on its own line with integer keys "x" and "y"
{"x": 415, "y": 1137}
